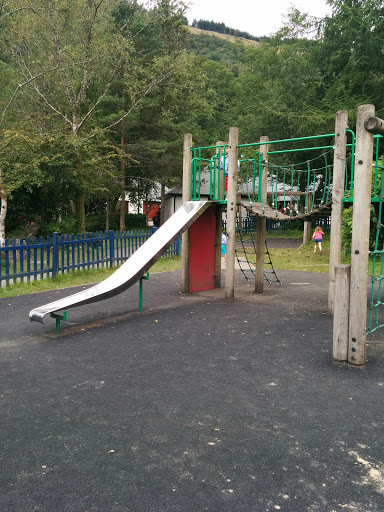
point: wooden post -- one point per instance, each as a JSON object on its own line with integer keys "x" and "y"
{"x": 375, "y": 125}
{"x": 262, "y": 221}
{"x": 231, "y": 213}
{"x": 338, "y": 184}
{"x": 341, "y": 312}
{"x": 185, "y": 245}
{"x": 360, "y": 237}
{"x": 308, "y": 223}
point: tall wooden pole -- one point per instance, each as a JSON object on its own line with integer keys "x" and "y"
{"x": 338, "y": 183}
{"x": 262, "y": 221}
{"x": 360, "y": 237}
{"x": 185, "y": 245}
{"x": 231, "y": 213}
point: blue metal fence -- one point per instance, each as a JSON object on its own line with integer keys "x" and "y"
{"x": 39, "y": 258}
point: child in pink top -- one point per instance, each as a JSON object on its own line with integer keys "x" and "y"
{"x": 318, "y": 238}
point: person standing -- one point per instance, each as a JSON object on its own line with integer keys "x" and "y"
{"x": 223, "y": 244}
{"x": 224, "y": 163}
{"x": 317, "y": 237}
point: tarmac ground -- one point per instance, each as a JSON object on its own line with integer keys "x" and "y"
{"x": 196, "y": 404}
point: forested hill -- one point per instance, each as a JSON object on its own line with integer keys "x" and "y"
{"x": 226, "y": 37}
{"x": 222, "y": 28}
{"x": 218, "y": 47}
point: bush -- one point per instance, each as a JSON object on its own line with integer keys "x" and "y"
{"x": 96, "y": 222}
{"x": 346, "y": 232}
{"x": 65, "y": 227}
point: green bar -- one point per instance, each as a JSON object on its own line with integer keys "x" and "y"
{"x": 307, "y": 192}
{"x": 353, "y": 145}
{"x": 58, "y": 318}
{"x": 141, "y": 291}
{"x": 298, "y": 150}
{"x": 260, "y": 194}
{"x": 287, "y": 140}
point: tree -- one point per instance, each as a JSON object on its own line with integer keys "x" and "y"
{"x": 276, "y": 94}
{"x": 66, "y": 55}
{"x": 350, "y": 51}
{"x": 69, "y": 54}
{"x": 20, "y": 160}
{"x": 159, "y": 39}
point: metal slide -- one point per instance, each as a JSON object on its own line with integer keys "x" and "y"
{"x": 134, "y": 268}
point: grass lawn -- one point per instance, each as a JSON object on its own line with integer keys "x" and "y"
{"x": 81, "y": 277}
{"x": 293, "y": 233}
{"x": 303, "y": 258}
{"x": 283, "y": 259}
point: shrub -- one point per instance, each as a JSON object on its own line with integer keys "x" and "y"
{"x": 346, "y": 232}
{"x": 96, "y": 222}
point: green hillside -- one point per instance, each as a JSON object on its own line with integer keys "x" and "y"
{"x": 223, "y": 48}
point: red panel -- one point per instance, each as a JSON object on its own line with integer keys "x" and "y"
{"x": 202, "y": 235}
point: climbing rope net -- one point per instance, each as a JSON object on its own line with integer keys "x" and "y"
{"x": 246, "y": 254}
{"x": 375, "y": 320}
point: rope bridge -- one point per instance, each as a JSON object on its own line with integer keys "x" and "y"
{"x": 301, "y": 189}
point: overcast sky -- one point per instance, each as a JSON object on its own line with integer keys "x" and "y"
{"x": 257, "y": 17}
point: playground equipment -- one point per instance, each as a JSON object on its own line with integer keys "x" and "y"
{"x": 248, "y": 248}
{"x": 347, "y": 181}
{"x": 317, "y": 186}
{"x": 133, "y": 269}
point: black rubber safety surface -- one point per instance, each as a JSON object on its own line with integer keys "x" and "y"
{"x": 196, "y": 404}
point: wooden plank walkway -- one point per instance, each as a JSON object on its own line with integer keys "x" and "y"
{"x": 270, "y": 213}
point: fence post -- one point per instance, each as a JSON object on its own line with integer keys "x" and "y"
{"x": 178, "y": 246}
{"x": 262, "y": 221}
{"x": 55, "y": 254}
{"x": 337, "y": 205}
{"x": 308, "y": 223}
{"x": 360, "y": 237}
{"x": 111, "y": 247}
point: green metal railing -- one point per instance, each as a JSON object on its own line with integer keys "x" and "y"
{"x": 287, "y": 184}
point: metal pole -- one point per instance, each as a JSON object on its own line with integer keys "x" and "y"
{"x": 146, "y": 277}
